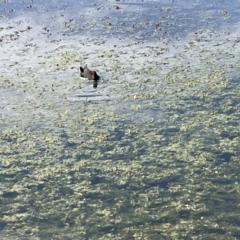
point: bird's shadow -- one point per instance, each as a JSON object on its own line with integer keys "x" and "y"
{"x": 89, "y": 95}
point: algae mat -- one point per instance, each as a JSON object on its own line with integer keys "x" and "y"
{"x": 152, "y": 153}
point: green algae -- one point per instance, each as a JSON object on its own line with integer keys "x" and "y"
{"x": 159, "y": 162}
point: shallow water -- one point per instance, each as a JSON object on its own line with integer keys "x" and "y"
{"x": 152, "y": 153}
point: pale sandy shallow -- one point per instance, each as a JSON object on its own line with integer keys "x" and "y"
{"x": 41, "y": 64}
{"x": 41, "y": 76}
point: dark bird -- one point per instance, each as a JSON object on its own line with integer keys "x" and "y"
{"x": 90, "y": 75}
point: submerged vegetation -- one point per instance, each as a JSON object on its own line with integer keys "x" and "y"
{"x": 151, "y": 154}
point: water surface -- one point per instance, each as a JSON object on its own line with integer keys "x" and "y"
{"x": 152, "y": 153}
